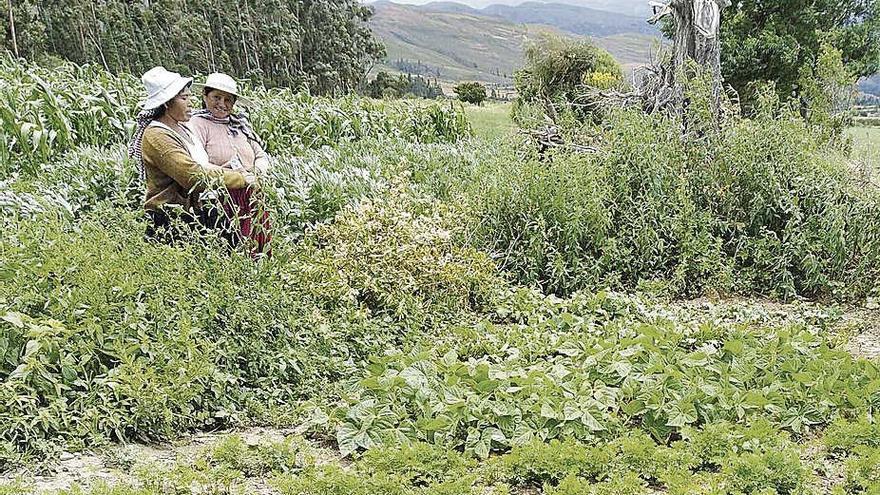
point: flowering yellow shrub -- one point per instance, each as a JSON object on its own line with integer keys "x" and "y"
{"x": 602, "y": 79}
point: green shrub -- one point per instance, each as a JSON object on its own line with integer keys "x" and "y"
{"x": 107, "y": 336}
{"x": 863, "y": 471}
{"x": 537, "y": 462}
{"x": 421, "y": 464}
{"x": 285, "y": 456}
{"x": 845, "y": 435}
{"x": 758, "y": 207}
{"x": 332, "y": 480}
{"x": 471, "y": 92}
{"x": 758, "y": 473}
{"x": 420, "y": 275}
{"x": 557, "y": 72}
{"x": 627, "y": 484}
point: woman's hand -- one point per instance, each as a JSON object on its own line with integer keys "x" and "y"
{"x": 252, "y": 181}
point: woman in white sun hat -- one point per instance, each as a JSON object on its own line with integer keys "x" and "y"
{"x": 231, "y": 143}
{"x": 171, "y": 159}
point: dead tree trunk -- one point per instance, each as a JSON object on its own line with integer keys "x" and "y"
{"x": 695, "y": 41}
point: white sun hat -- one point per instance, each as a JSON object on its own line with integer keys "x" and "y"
{"x": 226, "y": 84}
{"x": 162, "y": 85}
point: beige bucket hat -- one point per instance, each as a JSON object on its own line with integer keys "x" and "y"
{"x": 162, "y": 85}
{"x": 226, "y": 84}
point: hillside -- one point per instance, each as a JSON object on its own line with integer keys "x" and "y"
{"x": 571, "y": 18}
{"x": 454, "y": 42}
{"x": 870, "y": 85}
{"x": 637, "y": 8}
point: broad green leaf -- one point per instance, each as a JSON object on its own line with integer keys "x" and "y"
{"x": 571, "y": 413}
{"x": 346, "y": 438}
{"x": 14, "y": 318}
{"x": 548, "y": 412}
{"x": 734, "y": 347}
{"x": 591, "y": 422}
{"x": 634, "y": 407}
{"x": 31, "y": 348}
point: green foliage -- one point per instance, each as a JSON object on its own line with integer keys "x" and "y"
{"x": 538, "y": 462}
{"x": 759, "y": 206}
{"x": 415, "y": 278}
{"x": 323, "y": 46}
{"x": 471, "y": 92}
{"x": 333, "y": 480}
{"x": 47, "y": 112}
{"x": 421, "y": 464}
{"x": 556, "y": 73}
{"x": 773, "y": 471}
{"x": 288, "y": 455}
{"x": 828, "y": 92}
{"x": 628, "y": 484}
{"x": 382, "y": 305}
{"x": 863, "y": 472}
{"x": 568, "y": 376}
{"x": 386, "y": 85}
{"x": 777, "y": 41}
{"x": 196, "y": 351}
{"x": 847, "y": 435}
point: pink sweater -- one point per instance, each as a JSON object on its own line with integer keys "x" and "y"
{"x": 222, "y": 147}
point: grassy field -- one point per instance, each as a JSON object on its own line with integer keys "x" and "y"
{"x": 491, "y": 120}
{"x": 866, "y": 147}
{"x": 866, "y": 138}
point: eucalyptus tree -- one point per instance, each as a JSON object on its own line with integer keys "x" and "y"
{"x": 323, "y": 45}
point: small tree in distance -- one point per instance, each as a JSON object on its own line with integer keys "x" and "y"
{"x": 471, "y": 92}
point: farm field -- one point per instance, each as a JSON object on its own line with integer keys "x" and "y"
{"x": 445, "y": 312}
{"x": 866, "y": 139}
{"x": 491, "y": 120}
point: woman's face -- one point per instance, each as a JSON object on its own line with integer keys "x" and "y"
{"x": 219, "y": 103}
{"x": 178, "y": 107}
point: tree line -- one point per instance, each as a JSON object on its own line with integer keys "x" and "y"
{"x": 323, "y": 45}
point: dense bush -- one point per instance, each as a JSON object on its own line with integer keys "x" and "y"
{"x": 471, "y": 92}
{"x": 556, "y": 74}
{"x": 108, "y": 336}
{"x": 760, "y": 207}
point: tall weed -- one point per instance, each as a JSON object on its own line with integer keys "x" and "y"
{"x": 757, "y": 206}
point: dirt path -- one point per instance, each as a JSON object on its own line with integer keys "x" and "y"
{"x": 857, "y": 328}
{"x": 116, "y": 464}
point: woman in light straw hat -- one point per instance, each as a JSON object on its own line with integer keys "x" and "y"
{"x": 231, "y": 143}
{"x": 171, "y": 159}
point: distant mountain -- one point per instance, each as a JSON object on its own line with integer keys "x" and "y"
{"x": 451, "y": 46}
{"x": 572, "y": 18}
{"x": 454, "y": 42}
{"x": 568, "y": 15}
{"x": 638, "y": 8}
{"x": 870, "y": 85}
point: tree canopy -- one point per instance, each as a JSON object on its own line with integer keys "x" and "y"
{"x": 471, "y": 92}
{"x": 778, "y": 40}
{"x": 324, "y": 45}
